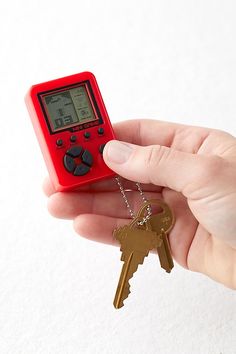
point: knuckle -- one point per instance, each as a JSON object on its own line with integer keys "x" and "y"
{"x": 211, "y": 167}
{"x": 156, "y": 155}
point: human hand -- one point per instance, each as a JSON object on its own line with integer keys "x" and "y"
{"x": 193, "y": 169}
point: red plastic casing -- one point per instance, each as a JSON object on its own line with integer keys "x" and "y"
{"x": 53, "y": 154}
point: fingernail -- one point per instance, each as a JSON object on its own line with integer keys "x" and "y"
{"x": 118, "y": 152}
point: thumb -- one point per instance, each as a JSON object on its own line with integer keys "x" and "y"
{"x": 162, "y": 166}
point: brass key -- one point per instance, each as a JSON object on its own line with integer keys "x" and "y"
{"x": 162, "y": 223}
{"x": 136, "y": 242}
{"x": 164, "y": 253}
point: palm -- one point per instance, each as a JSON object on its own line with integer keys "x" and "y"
{"x": 99, "y": 208}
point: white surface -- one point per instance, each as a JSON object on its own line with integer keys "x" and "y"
{"x": 170, "y": 60}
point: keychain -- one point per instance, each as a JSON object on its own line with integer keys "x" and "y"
{"x": 144, "y": 233}
{"x": 72, "y": 127}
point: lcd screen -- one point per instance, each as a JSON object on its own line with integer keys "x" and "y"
{"x": 69, "y": 108}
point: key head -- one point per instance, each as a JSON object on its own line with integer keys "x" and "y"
{"x": 120, "y": 233}
{"x": 138, "y": 238}
{"x": 162, "y": 221}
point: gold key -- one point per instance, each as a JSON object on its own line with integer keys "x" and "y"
{"x": 162, "y": 223}
{"x": 136, "y": 242}
{"x": 164, "y": 253}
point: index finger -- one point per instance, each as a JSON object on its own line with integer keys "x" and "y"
{"x": 146, "y": 132}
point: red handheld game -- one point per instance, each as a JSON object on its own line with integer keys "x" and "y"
{"x": 72, "y": 127}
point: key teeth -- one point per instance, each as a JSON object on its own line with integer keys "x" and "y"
{"x": 122, "y": 258}
{"x": 118, "y": 306}
{"x": 126, "y": 292}
{"x": 119, "y": 301}
{"x": 125, "y": 297}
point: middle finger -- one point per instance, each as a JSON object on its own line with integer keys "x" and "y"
{"x": 69, "y": 205}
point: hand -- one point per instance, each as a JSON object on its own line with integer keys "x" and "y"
{"x": 193, "y": 169}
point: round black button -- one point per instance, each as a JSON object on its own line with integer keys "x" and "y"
{"x": 101, "y": 148}
{"x": 73, "y": 138}
{"x": 87, "y": 135}
{"x": 59, "y": 142}
{"x": 100, "y": 131}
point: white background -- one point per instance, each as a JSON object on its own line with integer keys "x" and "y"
{"x": 169, "y": 60}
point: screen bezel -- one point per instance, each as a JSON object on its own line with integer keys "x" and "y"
{"x": 74, "y": 127}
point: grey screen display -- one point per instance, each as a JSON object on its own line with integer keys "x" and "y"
{"x": 68, "y": 108}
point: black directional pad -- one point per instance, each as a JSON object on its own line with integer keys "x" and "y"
{"x": 74, "y": 166}
{"x": 81, "y": 169}
{"x": 69, "y": 163}
{"x": 87, "y": 158}
{"x": 75, "y": 151}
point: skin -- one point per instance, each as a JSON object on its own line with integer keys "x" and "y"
{"x": 192, "y": 168}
